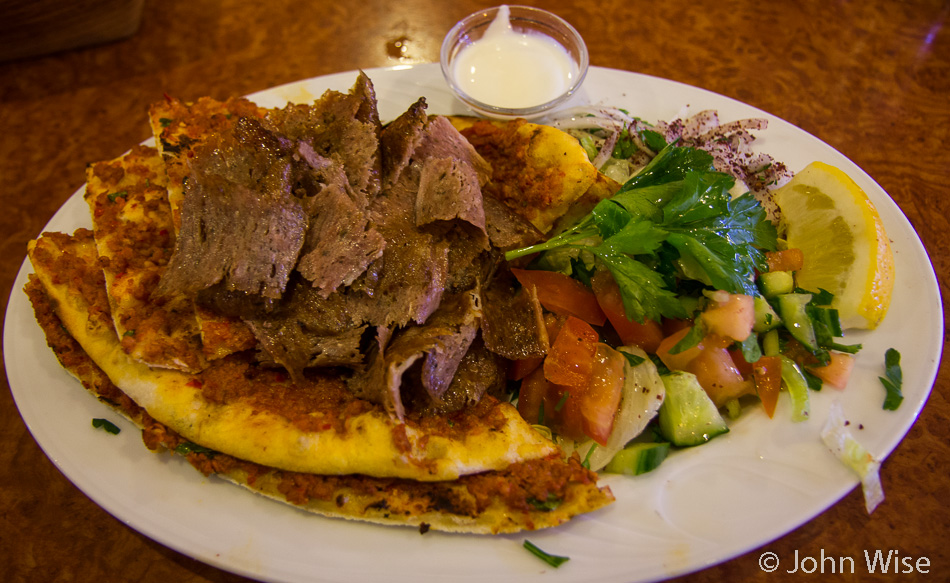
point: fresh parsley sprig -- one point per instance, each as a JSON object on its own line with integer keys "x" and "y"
{"x": 892, "y": 380}
{"x": 675, "y": 216}
{"x": 552, "y": 560}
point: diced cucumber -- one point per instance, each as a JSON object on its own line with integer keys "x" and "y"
{"x": 688, "y": 416}
{"x": 774, "y": 283}
{"x": 771, "y": 345}
{"x": 638, "y": 458}
{"x": 792, "y": 309}
{"x": 797, "y": 387}
{"x": 766, "y": 318}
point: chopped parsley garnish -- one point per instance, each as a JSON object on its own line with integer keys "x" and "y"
{"x": 106, "y": 425}
{"x": 553, "y": 560}
{"x": 120, "y": 194}
{"x": 586, "y": 463}
{"x": 633, "y": 359}
{"x": 188, "y": 447}
{"x": 165, "y": 121}
{"x": 547, "y": 505}
{"x": 892, "y": 380}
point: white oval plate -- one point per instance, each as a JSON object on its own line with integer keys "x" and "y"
{"x": 680, "y": 518}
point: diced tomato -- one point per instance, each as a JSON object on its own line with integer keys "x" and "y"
{"x": 577, "y": 411}
{"x": 562, "y": 294}
{"x": 571, "y": 358}
{"x": 672, "y": 325}
{"x": 785, "y": 260}
{"x": 730, "y": 315}
{"x": 519, "y": 369}
{"x": 680, "y": 360}
{"x": 745, "y": 368}
{"x": 562, "y": 411}
{"x": 599, "y": 402}
{"x": 837, "y": 372}
{"x": 718, "y": 375}
{"x": 711, "y": 362}
{"x": 534, "y": 389}
{"x": 632, "y": 333}
{"x": 767, "y": 374}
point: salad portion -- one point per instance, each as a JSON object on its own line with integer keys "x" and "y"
{"x": 710, "y": 282}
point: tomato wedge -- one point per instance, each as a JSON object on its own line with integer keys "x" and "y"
{"x": 647, "y": 335}
{"x": 767, "y": 374}
{"x": 562, "y": 294}
{"x": 531, "y": 396}
{"x": 599, "y": 403}
{"x": 571, "y": 358}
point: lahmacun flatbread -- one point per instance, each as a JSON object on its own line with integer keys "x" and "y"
{"x": 353, "y": 373}
{"x": 471, "y": 504}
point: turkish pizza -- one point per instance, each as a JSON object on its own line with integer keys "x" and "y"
{"x": 315, "y": 305}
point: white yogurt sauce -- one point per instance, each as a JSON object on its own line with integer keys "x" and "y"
{"x": 512, "y": 69}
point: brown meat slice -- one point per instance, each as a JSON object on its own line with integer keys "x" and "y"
{"x": 512, "y": 321}
{"x": 479, "y": 372}
{"x": 344, "y": 127}
{"x": 398, "y": 140}
{"x": 340, "y": 243}
{"x": 440, "y": 344}
{"x": 455, "y": 325}
{"x": 506, "y": 229}
{"x": 252, "y": 251}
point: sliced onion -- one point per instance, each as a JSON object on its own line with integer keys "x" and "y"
{"x": 643, "y": 393}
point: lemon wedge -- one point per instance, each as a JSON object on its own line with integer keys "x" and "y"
{"x": 842, "y": 238}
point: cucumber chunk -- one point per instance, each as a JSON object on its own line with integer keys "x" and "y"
{"x": 638, "y": 458}
{"x": 688, "y": 416}
{"x": 792, "y": 309}
{"x": 766, "y": 318}
{"x": 774, "y": 283}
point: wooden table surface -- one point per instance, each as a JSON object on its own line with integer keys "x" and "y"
{"x": 872, "y": 79}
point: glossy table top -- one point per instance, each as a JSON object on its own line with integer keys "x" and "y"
{"x": 870, "y": 80}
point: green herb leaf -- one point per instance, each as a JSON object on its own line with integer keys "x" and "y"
{"x": 642, "y": 289}
{"x": 695, "y": 335}
{"x": 562, "y": 401}
{"x": 552, "y": 560}
{"x": 586, "y": 463}
{"x": 674, "y": 219}
{"x": 106, "y": 425}
{"x": 892, "y": 380}
{"x": 187, "y": 447}
{"x": 633, "y": 359}
{"x": 120, "y": 194}
{"x": 547, "y": 505}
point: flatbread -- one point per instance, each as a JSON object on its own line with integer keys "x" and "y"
{"x": 537, "y": 170}
{"x": 235, "y": 407}
{"x": 178, "y": 128}
{"x": 494, "y": 502}
{"x": 196, "y": 384}
{"x": 131, "y": 219}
